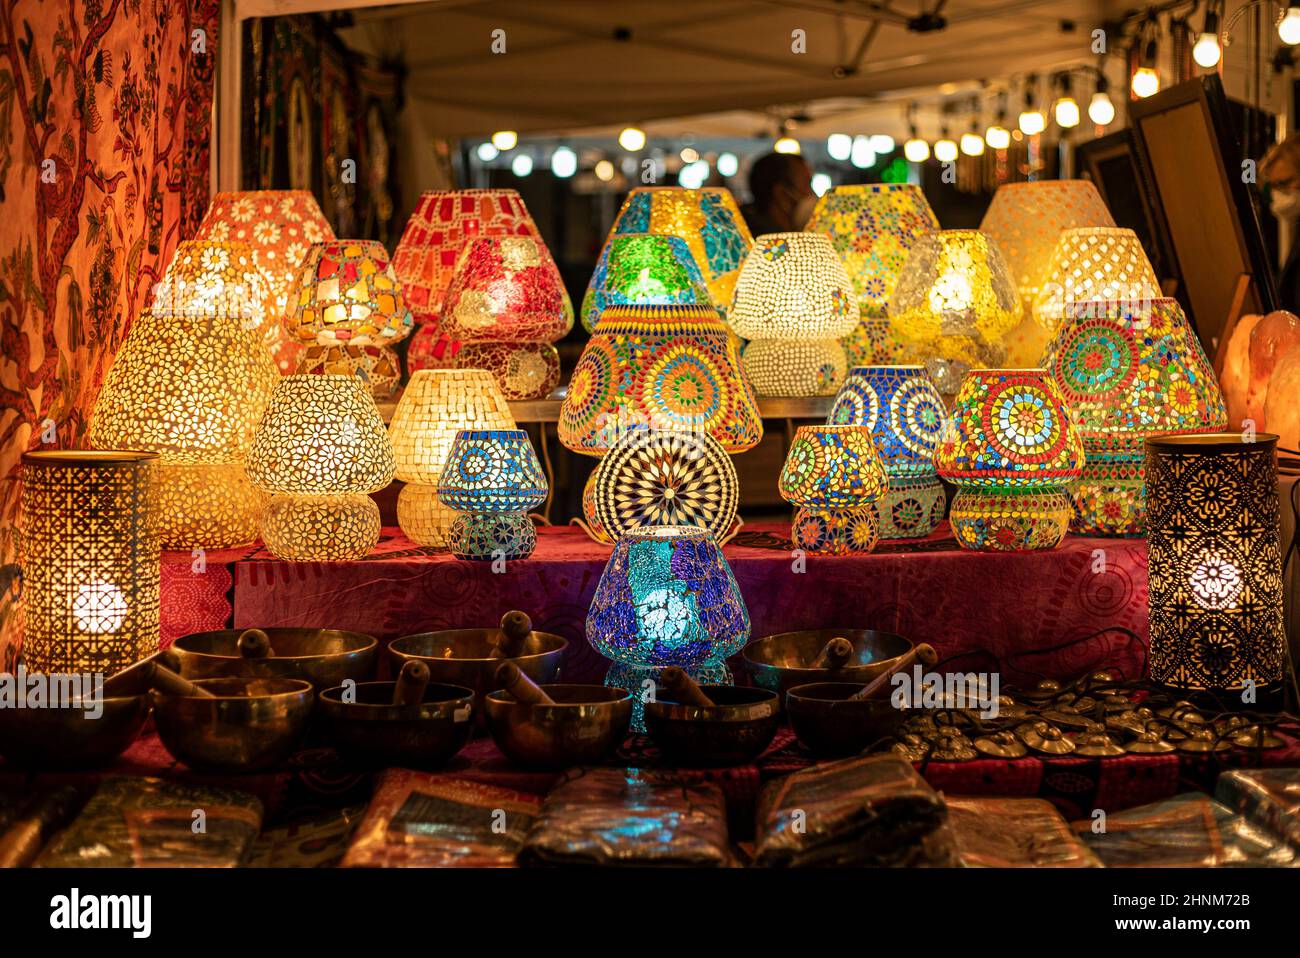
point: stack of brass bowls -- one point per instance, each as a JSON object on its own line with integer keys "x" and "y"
{"x": 466, "y": 657}
{"x": 246, "y": 725}
{"x": 369, "y": 730}
{"x": 583, "y": 725}
{"x": 735, "y": 729}
{"x": 323, "y": 657}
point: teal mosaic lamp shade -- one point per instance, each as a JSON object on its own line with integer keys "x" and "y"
{"x": 667, "y": 597}
{"x": 492, "y": 479}
{"x": 644, "y": 268}
{"x": 907, "y": 418}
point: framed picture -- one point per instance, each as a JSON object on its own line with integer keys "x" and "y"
{"x": 1193, "y": 161}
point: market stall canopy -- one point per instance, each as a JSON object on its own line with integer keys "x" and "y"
{"x": 573, "y": 65}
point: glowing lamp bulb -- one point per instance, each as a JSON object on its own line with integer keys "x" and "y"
{"x": 98, "y": 608}
{"x": 945, "y": 151}
{"x": 1289, "y": 29}
{"x": 632, "y": 139}
{"x": 505, "y": 140}
{"x": 997, "y": 137}
{"x": 1067, "y": 112}
{"x": 972, "y": 144}
{"x": 1032, "y": 122}
{"x": 1206, "y": 51}
{"x": 916, "y": 150}
{"x": 1146, "y": 82}
{"x": 1101, "y": 110}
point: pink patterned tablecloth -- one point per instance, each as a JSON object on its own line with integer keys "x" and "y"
{"x": 1051, "y": 614}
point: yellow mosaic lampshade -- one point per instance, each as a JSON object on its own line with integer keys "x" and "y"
{"x": 347, "y": 293}
{"x": 873, "y": 228}
{"x": 954, "y": 304}
{"x": 833, "y": 474}
{"x": 707, "y": 219}
{"x": 320, "y": 450}
{"x": 1026, "y": 220}
{"x": 90, "y": 560}
{"x": 1094, "y": 263}
{"x": 279, "y": 226}
{"x": 436, "y": 405}
{"x": 205, "y": 276}
{"x": 191, "y": 388}
{"x": 793, "y": 303}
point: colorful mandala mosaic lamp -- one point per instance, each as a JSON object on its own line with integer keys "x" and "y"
{"x": 794, "y": 303}
{"x": 1215, "y": 558}
{"x": 1026, "y": 220}
{"x": 435, "y": 406}
{"x": 191, "y": 388}
{"x": 954, "y": 305}
{"x": 90, "y": 560}
{"x": 650, "y": 269}
{"x": 667, "y": 597}
{"x": 833, "y": 474}
{"x": 506, "y": 293}
{"x": 279, "y": 226}
{"x": 492, "y": 479}
{"x": 707, "y": 220}
{"x": 1128, "y": 371}
{"x": 320, "y": 450}
{"x": 348, "y": 294}
{"x": 907, "y": 418}
{"x": 873, "y": 228}
{"x": 1011, "y": 450}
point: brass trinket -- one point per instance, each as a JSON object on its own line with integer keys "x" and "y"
{"x": 1148, "y": 742}
{"x": 1097, "y": 744}
{"x": 1203, "y": 740}
{"x": 1001, "y": 745}
{"x": 1042, "y": 737}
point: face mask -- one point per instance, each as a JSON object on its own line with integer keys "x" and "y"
{"x": 1285, "y": 204}
{"x": 803, "y": 210}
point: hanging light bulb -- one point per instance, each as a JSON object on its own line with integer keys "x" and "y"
{"x": 916, "y": 149}
{"x": 1101, "y": 110}
{"x": 881, "y": 143}
{"x": 521, "y": 165}
{"x": 821, "y": 182}
{"x": 839, "y": 146}
{"x": 972, "y": 144}
{"x": 1289, "y": 29}
{"x": 1031, "y": 121}
{"x": 632, "y": 139}
{"x": 564, "y": 162}
{"x": 604, "y": 171}
{"x": 487, "y": 152}
{"x": 1146, "y": 81}
{"x": 689, "y": 154}
{"x": 787, "y": 144}
{"x": 505, "y": 140}
{"x": 728, "y": 164}
{"x": 1206, "y": 51}
{"x": 1066, "y": 110}
{"x": 945, "y": 150}
{"x": 998, "y": 137}
{"x": 862, "y": 155}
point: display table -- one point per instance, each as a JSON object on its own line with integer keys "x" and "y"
{"x": 1050, "y": 614}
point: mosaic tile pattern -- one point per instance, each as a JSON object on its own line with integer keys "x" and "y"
{"x": 346, "y": 292}
{"x": 643, "y": 268}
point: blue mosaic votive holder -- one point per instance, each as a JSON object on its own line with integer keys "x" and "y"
{"x": 907, "y": 418}
{"x": 492, "y": 478}
{"x": 667, "y": 597}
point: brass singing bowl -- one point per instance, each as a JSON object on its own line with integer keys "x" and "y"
{"x": 323, "y": 657}
{"x": 736, "y": 729}
{"x": 781, "y": 662}
{"x": 586, "y": 724}
{"x": 68, "y": 738}
{"x": 464, "y": 657}
{"x": 371, "y": 731}
{"x": 247, "y": 726}
{"x": 830, "y": 726}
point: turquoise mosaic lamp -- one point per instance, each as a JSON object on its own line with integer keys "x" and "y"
{"x": 492, "y": 479}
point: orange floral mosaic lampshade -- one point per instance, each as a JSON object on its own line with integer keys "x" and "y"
{"x": 873, "y": 228}
{"x": 206, "y": 277}
{"x": 279, "y": 226}
{"x": 1026, "y": 220}
{"x": 673, "y": 368}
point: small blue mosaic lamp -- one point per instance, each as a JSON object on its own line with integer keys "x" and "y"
{"x": 907, "y": 417}
{"x": 667, "y": 597}
{"x": 492, "y": 479}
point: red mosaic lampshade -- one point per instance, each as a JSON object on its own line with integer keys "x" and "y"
{"x": 347, "y": 293}
{"x": 506, "y": 289}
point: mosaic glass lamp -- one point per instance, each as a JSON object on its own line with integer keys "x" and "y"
{"x": 1012, "y": 451}
{"x": 1025, "y": 220}
{"x": 1128, "y": 371}
{"x": 1215, "y": 562}
{"x": 506, "y": 293}
{"x": 646, "y": 268}
{"x": 907, "y": 418}
{"x": 435, "y": 406}
{"x": 707, "y": 220}
{"x": 673, "y": 368}
{"x": 667, "y": 597}
{"x": 492, "y": 479}
{"x": 1094, "y": 263}
{"x": 375, "y": 366}
{"x": 207, "y": 277}
{"x": 90, "y": 560}
{"x": 873, "y": 228}
{"x": 191, "y": 388}
{"x": 833, "y": 474}
{"x": 279, "y": 226}
{"x": 347, "y": 294}
{"x": 793, "y": 303}
{"x": 320, "y": 450}
{"x": 954, "y": 305}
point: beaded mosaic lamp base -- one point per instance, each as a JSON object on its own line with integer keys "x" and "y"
{"x": 989, "y": 519}
{"x": 207, "y": 506}
{"x": 636, "y": 679}
{"x": 1110, "y": 497}
{"x": 911, "y": 508}
{"x": 835, "y": 531}
{"x": 423, "y": 518}
{"x": 320, "y": 528}
{"x": 488, "y": 536}
{"x": 779, "y": 367}
{"x": 523, "y": 371}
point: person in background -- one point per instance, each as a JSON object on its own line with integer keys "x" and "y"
{"x": 1281, "y": 170}
{"x": 781, "y": 184}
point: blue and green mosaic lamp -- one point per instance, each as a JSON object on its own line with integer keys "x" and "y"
{"x": 492, "y": 479}
{"x": 647, "y": 268}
